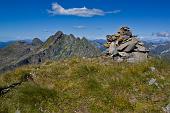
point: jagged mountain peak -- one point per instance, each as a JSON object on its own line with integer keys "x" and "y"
{"x": 59, "y": 34}
{"x": 37, "y": 42}
{"x": 71, "y": 35}
{"x": 84, "y": 39}
{"x": 53, "y": 39}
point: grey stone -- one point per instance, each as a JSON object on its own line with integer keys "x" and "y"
{"x": 17, "y": 111}
{"x": 141, "y": 43}
{"x": 130, "y": 47}
{"x": 122, "y": 46}
{"x": 167, "y": 109}
{"x": 112, "y": 49}
{"x": 133, "y": 100}
{"x": 141, "y": 48}
{"x": 137, "y": 57}
{"x": 124, "y": 54}
{"x": 153, "y": 69}
{"x": 131, "y": 60}
{"x": 119, "y": 59}
{"x": 152, "y": 81}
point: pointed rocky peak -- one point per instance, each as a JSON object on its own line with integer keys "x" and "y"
{"x": 53, "y": 39}
{"x": 78, "y": 38}
{"x": 72, "y": 36}
{"x": 37, "y": 42}
{"x": 84, "y": 39}
{"x": 58, "y": 34}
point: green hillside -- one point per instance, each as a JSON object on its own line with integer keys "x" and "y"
{"x": 88, "y": 86}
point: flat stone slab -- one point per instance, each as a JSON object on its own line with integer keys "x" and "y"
{"x": 124, "y": 54}
{"x": 137, "y": 57}
{"x": 141, "y": 48}
{"x": 128, "y": 46}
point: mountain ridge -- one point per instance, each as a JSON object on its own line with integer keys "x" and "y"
{"x": 57, "y": 46}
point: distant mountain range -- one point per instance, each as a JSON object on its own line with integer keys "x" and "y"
{"x": 57, "y": 46}
{"x": 5, "y": 44}
{"x": 159, "y": 49}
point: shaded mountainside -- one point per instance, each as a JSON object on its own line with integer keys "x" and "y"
{"x": 87, "y": 86}
{"x": 58, "y": 46}
{"x": 13, "y": 52}
{"x": 159, "y": 49}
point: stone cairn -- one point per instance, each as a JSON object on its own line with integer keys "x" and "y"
{"x": 124, "y": 46}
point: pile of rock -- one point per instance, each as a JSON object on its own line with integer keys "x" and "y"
{"x": 124, "y": 46}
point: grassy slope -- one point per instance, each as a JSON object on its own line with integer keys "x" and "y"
{"x": 88, "y": 86}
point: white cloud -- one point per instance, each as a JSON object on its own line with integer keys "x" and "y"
{"x": 80, "y": 27}
{"x": 162, "y": 34}
{"x": 82, "y": 12}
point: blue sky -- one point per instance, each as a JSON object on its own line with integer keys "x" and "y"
{"x": 27, "y": 19}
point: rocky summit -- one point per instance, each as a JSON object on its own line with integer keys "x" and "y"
{"x": 124, "y": 46}
{"x": 37, "y": 42}
{"x": 57, "y": 46}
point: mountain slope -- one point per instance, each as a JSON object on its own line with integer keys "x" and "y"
{"x": 88, "y": 86}
{"x": 162, "y": 49}
{"x": 13, "y": 52}
{"x": 159, "y": 49}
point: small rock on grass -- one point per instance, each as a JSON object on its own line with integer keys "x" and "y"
{"x": 167, "y": 109}
{"x": 153, "y": 69}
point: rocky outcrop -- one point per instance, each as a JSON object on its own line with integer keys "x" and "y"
{"x": 58, "y": 46}
{"x": 124, "y": 46}
{"x": 5, "y": 90}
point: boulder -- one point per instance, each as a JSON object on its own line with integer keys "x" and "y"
{"x": 130, "y": 47}
{"x": 141, "y": 48}
{"x": 124, "y": 54}
{"x": 137, "y": 57}
{"x": 112, "y": 49}
{"x": 122, "y": 46}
